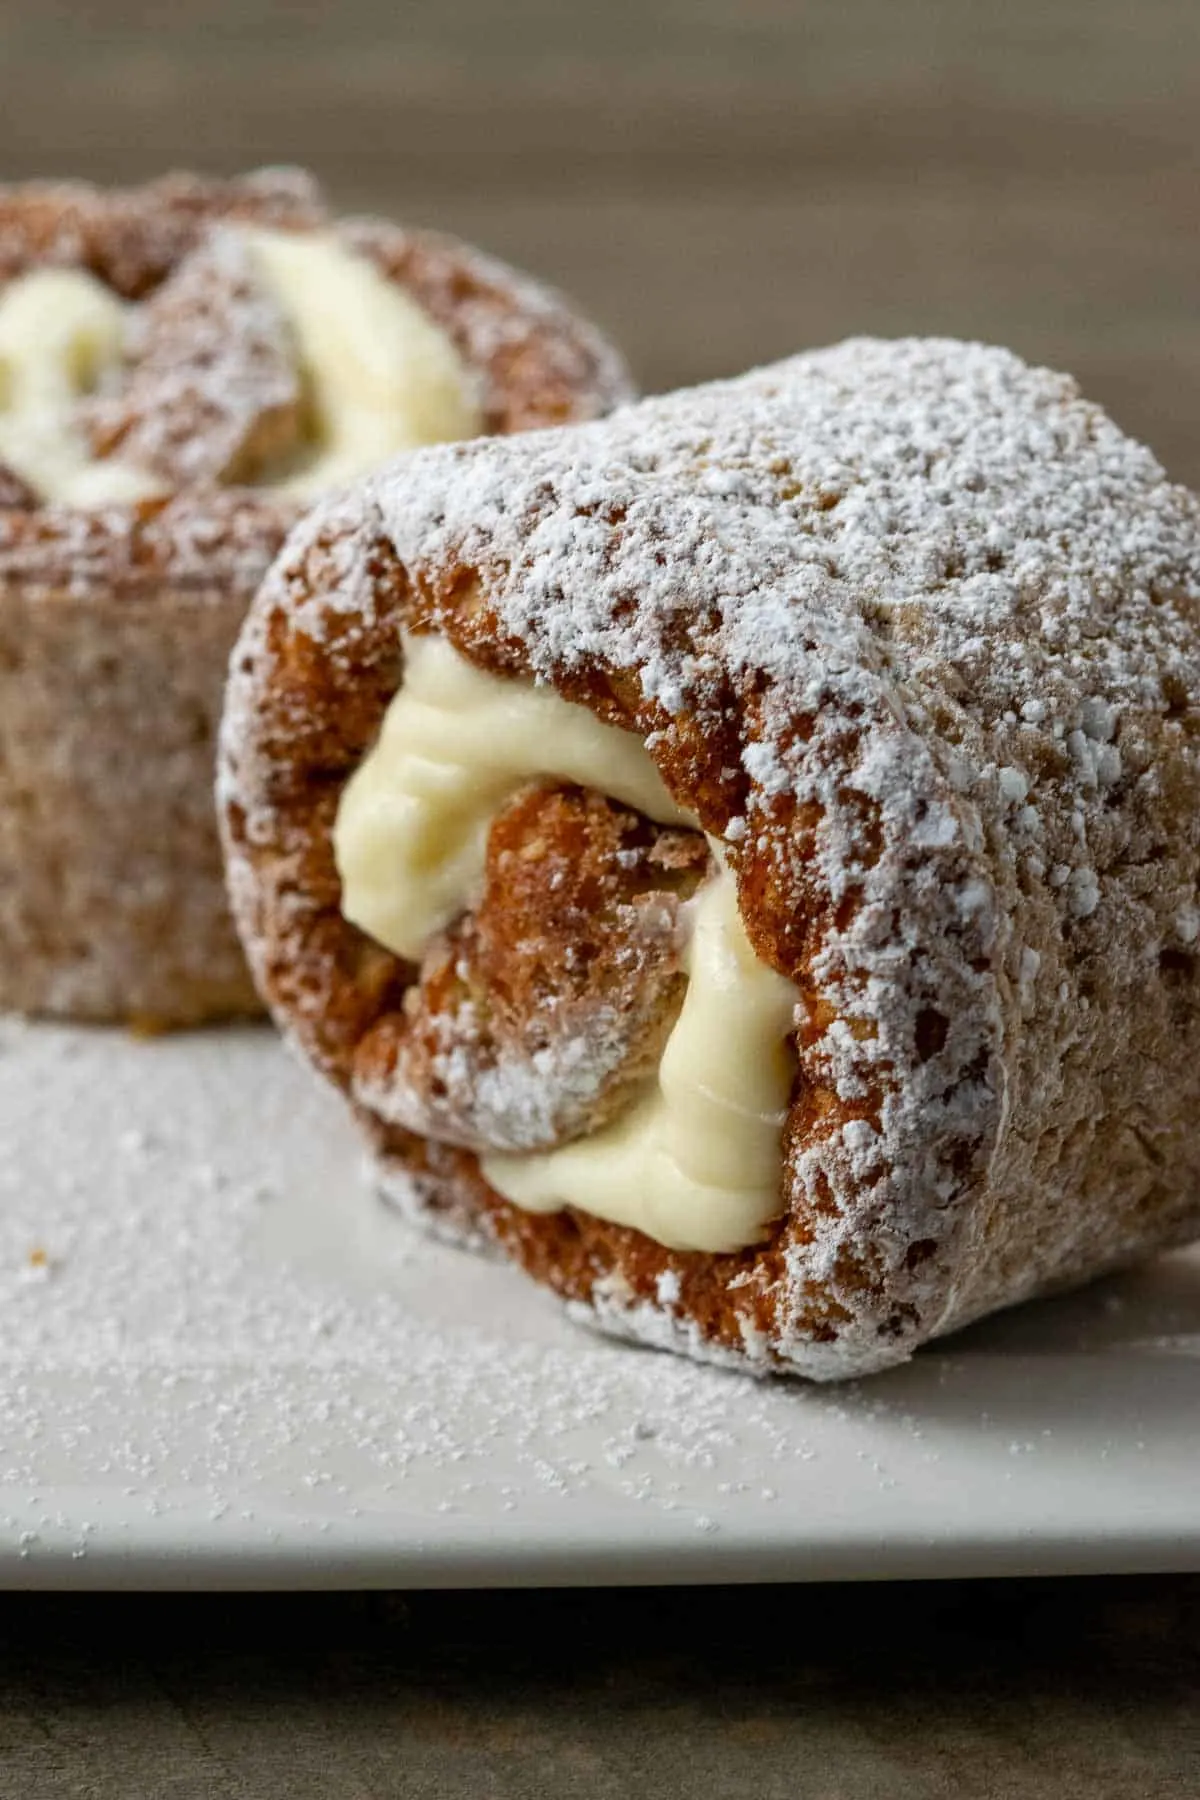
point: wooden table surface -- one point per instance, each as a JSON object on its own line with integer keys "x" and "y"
{"x": 720, "y": 183}
{"x": 1002, "y": 1691}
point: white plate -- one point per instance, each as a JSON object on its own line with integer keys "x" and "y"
{"x": 225, "y": 1365}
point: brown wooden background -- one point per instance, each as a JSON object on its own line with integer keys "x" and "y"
{"x": 721, "y": 181}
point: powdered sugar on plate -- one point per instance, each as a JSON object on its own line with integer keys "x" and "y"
{"x": 223, "y": 1363}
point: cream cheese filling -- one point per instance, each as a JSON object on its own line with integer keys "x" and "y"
{"x": 62, "y": 335}
{"x": 455, "y": 744}
{"x": 695, "y": 1163}
{"x": 381, "y": 377}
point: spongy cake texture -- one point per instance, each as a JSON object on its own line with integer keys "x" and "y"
{"x": 912, "y": 627}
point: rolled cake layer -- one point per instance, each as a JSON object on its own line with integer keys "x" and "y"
{"x": 183, "y": 368}
{"x": 740, "y": 859}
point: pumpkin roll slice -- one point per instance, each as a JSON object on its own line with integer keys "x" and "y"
{"x": 184, "y": 367}
{"x": 739, "y": 859}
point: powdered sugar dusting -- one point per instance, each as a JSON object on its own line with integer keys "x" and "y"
{"x": 517, "y": 1100}
{"x": 223, "y": 1362}
{"x": 214, "y": 391}
{"x": 179, "y": 1231}
{"x": 953, "y": 568}
{"x": 939, "y": 616}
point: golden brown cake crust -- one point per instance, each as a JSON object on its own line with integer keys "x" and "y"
{"x": 914, "y": 629}
{"x": 116, "y": 624}
{"x": 132, "y": 238}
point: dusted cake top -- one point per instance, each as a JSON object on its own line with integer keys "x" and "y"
{"x": 285, "y": 359}
{"x": 184, "y": 364}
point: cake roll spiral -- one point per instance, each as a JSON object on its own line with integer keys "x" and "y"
{"x": 739, "y": 858}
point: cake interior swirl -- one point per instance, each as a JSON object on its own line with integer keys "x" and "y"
{"x": 278, "y": 359}
{"x": 693, "y": 1157}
